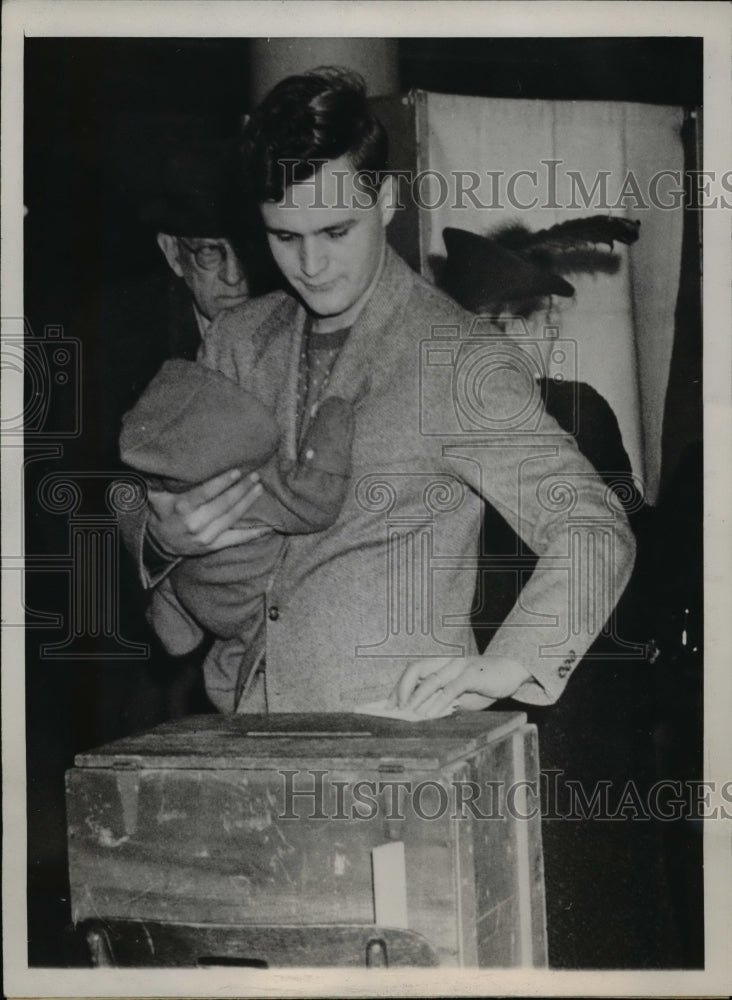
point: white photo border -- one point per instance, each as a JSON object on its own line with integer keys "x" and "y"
{"x": 132, "y": 18}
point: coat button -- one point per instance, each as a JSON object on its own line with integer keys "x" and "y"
{"x": 273, "y": 614}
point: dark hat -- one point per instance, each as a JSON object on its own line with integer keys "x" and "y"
{"x": 483, "y": 275}
{"x": 198, "y": 191}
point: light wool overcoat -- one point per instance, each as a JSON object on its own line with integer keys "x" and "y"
{"x": 447, "y": 415}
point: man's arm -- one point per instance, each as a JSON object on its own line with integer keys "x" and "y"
{"x": 557, "y": 503}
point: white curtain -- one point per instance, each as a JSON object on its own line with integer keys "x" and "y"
{"x": 623, "y": 324}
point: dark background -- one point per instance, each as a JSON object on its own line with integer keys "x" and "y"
{"x": 97, "y": 114}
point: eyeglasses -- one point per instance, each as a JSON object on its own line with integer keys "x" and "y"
{"x": 208, "y": 257}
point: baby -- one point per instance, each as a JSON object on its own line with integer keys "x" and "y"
{"x": 192, "y": 423}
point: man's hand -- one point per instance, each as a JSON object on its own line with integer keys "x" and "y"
{"x": 430, "y": 687}
{"x": 203, "y": 519}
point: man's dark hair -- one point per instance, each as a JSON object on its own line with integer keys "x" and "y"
{"x": 304, "y": 120}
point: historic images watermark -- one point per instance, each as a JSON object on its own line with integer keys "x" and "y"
{"x": 552, "y": 184}
{"x": 317, "y": 794}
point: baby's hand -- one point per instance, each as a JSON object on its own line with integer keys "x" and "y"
{"x": 431, "y": 686}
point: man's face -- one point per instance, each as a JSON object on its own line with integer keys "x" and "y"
{"x": 213, "y": 288}
{"x": 327, "y": 237}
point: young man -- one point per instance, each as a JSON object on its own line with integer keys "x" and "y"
{"x": 379, "y": 604}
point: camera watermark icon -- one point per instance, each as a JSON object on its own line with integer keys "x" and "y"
{"x": 576, "y": 521}
{"x": 491, "y": 381}
{"x": 46, "y": 371}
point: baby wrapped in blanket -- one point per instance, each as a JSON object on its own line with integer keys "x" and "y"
{"x": 192, "y": 423}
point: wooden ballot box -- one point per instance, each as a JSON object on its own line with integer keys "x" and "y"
{"x": 320, "y": 840}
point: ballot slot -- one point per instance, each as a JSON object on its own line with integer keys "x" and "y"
{"x": 309, "y": 733}
{"x": 212, "y": 961}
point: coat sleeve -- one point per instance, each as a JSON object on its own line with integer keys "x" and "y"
{"x": 533, "y": 473}
{"x": 152, "y": 565}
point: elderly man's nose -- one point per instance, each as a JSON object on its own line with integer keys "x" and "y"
{"x": 231, "y": 269}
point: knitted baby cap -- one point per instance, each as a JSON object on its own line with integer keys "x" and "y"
{"x": 192, "y": 423}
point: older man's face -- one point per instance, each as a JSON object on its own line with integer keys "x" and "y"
{"x": 211, "y": 270}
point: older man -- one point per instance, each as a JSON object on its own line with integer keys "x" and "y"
{"x": 195, "y": 217}
{"x": 152, "y": 311}
{"x": 379, "y": 603}
{"x": 157, "y": 306}
{"x": 195, "y": 214}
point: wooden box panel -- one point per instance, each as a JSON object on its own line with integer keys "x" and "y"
{"x": 192, "y": 823}
{"x": 137, "y": 943}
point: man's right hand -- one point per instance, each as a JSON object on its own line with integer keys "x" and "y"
{"x": 203, "y": 519}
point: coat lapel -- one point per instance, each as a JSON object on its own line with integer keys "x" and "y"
{"x": 350, "y": 376}
{"x": 277, "y": 344}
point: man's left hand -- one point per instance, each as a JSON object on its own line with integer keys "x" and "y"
{"x": 429, "y": 687}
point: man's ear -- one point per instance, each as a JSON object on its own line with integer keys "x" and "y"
{"x": 169, "y": 245}
{"x": 387, "y": 199}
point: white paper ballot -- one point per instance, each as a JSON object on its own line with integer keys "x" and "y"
{"x": 406, "y": 714}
